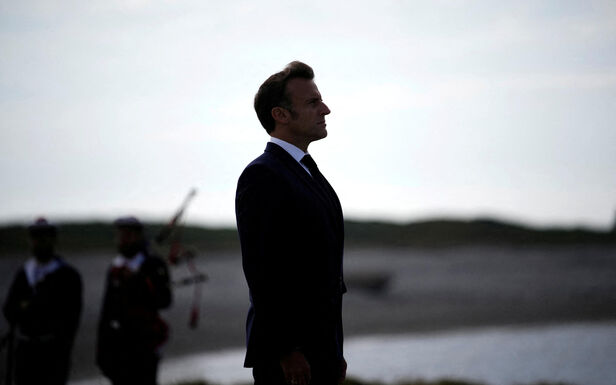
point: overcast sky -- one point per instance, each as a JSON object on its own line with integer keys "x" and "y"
{"x": 439, "y": 108}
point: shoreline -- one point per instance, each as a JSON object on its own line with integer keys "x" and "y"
{"x": 427, "y": 332}
{"x": 428, "y": 291}
{"x": 490, "y": 356}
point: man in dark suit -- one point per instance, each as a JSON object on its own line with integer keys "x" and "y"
{"x": 291, "y": 232}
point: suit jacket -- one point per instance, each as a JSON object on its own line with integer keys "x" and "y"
{"x": 291, "y": 234}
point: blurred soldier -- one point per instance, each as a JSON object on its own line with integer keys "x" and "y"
{"x": 43, "y": 308}
{"x": 130, "y": 331}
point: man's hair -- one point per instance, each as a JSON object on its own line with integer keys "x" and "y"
{"x": 272, "y": 92}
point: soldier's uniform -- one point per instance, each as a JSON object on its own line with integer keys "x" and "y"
{"x": 43, "y": 307}
{"x": 131, "y": 331}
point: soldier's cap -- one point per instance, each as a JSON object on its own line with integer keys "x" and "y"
{"x": 128, "y": 222}
{"x": 42, "y": 226}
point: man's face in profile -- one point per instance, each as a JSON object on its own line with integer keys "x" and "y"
{"x": 308, "y": 117}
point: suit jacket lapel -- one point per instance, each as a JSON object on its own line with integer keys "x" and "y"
{"x": 337, "y": 207}
{"x": 292, "y": 164}
{"x": 329, "y": 199}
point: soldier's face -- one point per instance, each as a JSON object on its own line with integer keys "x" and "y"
{"x": 128, "y": 241}
{"x": 42, "y": 246}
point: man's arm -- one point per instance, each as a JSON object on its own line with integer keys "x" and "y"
{"x": 270, "y": 240}
{"x": 162, "y": 284}
{"x": 11, "y": 305}
{"x": 343, "y": 370}
{"x": 295, "y": 368}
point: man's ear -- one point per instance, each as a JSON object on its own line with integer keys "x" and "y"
{"x": 280, "y": 114}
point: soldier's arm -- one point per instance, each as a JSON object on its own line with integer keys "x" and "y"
{"x": 160, "y": 284}
{"x": 12, "y": 304}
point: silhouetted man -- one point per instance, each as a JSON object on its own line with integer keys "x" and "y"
{"x": 130, "y": 331}
{"x": 291, "y": 232}
{"x": 43, "y": 308}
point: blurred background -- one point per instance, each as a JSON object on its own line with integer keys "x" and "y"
{"x": 472, "y": 145}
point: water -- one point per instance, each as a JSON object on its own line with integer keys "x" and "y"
{"x": 428, "y": 291}
{"x": 583, "y": 354}
{"x": 577, "y": 354}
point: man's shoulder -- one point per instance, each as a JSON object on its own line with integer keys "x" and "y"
{"x": 274, "y": 170}
{"x": 274, "y": 157}
{"x": 266, "y": 159}
{"x": 264, "y": 166}
{"x": 68, "y": 274}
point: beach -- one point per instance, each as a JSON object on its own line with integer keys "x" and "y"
{"x": 417, "y": 291}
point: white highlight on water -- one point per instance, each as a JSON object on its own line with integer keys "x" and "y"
{"x": 583, "y": 354}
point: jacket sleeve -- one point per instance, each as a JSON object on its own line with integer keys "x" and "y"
{"x": 11, "y": 305}
{"x": 266, "y": 220}
{"x": 159, "y": 284}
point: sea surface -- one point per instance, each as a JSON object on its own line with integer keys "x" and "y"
{"x": 485, "y": 312}
{"x": 583, "y": 354}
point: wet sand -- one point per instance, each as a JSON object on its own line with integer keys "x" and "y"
{"x": 423, "y": 290}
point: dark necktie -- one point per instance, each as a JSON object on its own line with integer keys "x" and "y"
{"x": 323, "y": 189}
{"x": 317, "y": 176}
{"x": 312, "y": 167}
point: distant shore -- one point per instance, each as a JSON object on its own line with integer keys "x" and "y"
{"x": 435, "y": 233}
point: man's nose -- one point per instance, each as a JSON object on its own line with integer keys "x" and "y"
{"x": 326, "y": 110}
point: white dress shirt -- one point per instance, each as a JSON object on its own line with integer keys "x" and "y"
{"x": 293, "y": 150}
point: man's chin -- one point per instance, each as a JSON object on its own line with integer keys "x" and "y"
{"x": 319, "y": 135}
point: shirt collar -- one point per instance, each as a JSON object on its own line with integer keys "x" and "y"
{"x": 36, "y": 271}
{"x": 294, "y": 151}
{"x": 132, "y": 264}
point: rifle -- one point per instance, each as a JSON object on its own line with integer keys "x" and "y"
{"x": 178, "y": 253}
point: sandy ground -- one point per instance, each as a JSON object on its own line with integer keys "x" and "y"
{"x": 426, "y": 290}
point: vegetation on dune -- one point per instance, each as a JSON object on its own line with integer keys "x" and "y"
{"x": 77, "y": 236}
{"x": 445, "y": 233}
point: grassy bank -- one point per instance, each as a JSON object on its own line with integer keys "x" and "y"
{"x": 76, "y": 236}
